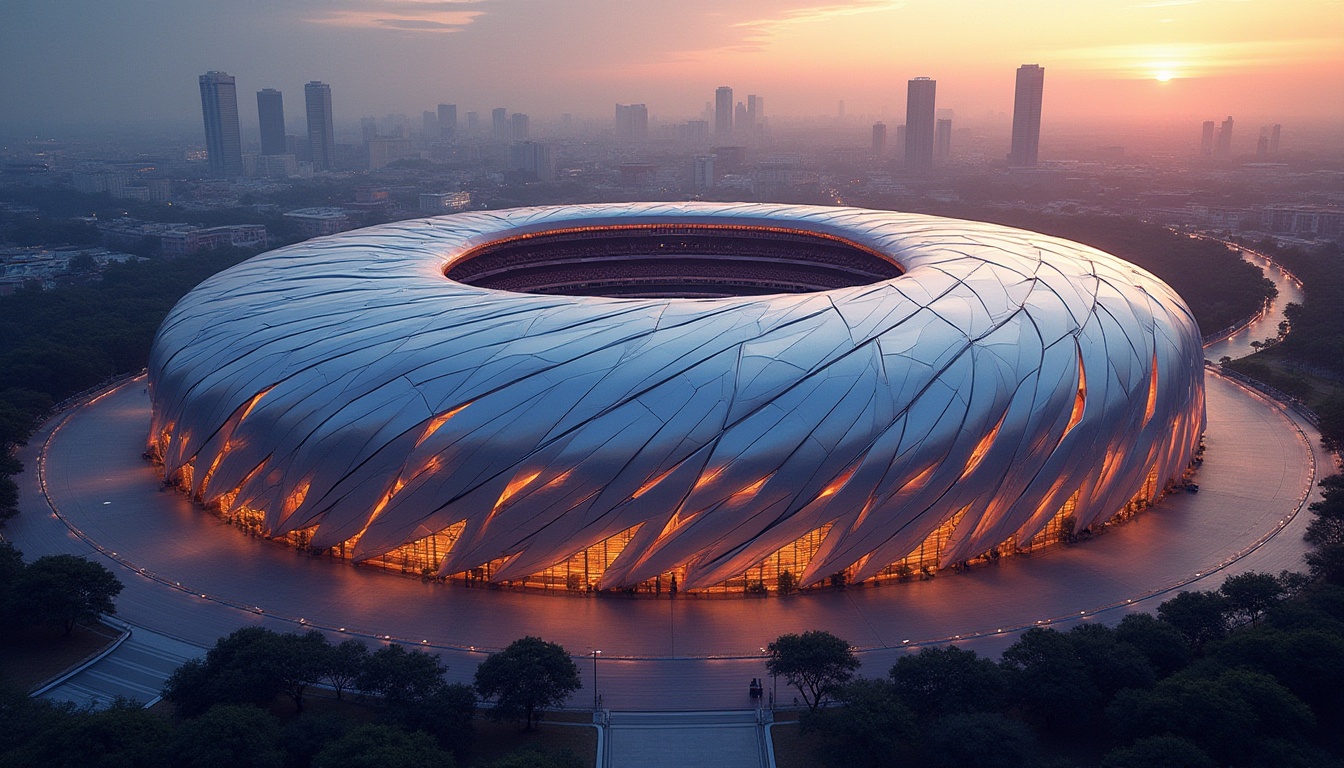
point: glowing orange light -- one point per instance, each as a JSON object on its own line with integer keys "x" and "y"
{"x": 982, "y": 447}
{"x": 438, "y": 421}
{"x": 1079, "y": 400}
{"x": 1152, "y": 394}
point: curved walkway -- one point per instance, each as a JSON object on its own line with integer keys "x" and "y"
{"x": 196, "y": 578}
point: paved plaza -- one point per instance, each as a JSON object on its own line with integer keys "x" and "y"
{"x": 193, "y": 578}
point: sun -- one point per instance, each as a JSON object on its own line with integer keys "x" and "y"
{"x": 1164, "y": 76}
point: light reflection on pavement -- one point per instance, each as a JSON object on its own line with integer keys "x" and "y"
{"x": 681, "y": 654}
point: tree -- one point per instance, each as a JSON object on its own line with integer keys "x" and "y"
{"x": 531, "y": 758}
{"x": 125, "y": 734}
{"x": 1199, "y": 616}
{"x": 1249, "y": 595}
{"x": 252, "y": 665}
{"x": 814, "y": 662}
{"x": 230, "y": 736}
{"x": 1327, "y": 525}
{"x": 380, "y": 746}
{"x": 1158, "y": 752}
{"x": 1225, "y": 716}
{"x": 873, "y": 728}
{"x": 9, "y": 498}
{"x": 398, "y": 675}
{"x": 980, "y": 738}
{"x": 1165, "y": 648}
{"x": 65, "y": 590}
{"x": 526, "y": 678}
{"x": 948, "y": 680}
{"x": 343, "y": 665}
{"x": 413, "y": 694}
{"x": 1050, "y": 682}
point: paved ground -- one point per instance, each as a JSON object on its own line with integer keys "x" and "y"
{"x": 136, "y": 670}
{"x": 195, "y": 579}
{"x": 674, "y": 740}
{"x": 1267, "y": 326}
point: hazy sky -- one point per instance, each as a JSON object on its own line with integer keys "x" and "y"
{"x": 137, "y": 60}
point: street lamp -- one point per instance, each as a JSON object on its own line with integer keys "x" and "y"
{"x": 596, "y": 700}
{"x": 774, "y": 681}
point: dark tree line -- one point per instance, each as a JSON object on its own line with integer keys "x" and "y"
{"x": 226, "y": 711}
{"x": 55, "y": 591}
{"x": 62, "y": 342}
{"x": 1248, "y": 675}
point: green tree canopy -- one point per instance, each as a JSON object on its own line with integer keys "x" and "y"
{"x": 873, "y": 728}
{"x": 526, "y": 678}
{"x": 1199, "y": 616}
{"x": 814, "y": 662}
{"x": 252, "y": 665}
{"x": 948, "y": 680}
{"x": 382, "y": 746}
{"x": 64, "y": 590}
{"x": 230, "y": 736}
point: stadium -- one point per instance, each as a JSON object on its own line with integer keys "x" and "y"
{"x": 661, "y": 396}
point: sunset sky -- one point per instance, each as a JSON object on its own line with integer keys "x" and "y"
{"x": 136, "y": 61}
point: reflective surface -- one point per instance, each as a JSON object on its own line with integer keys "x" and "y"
{"x": 345, "y": 391}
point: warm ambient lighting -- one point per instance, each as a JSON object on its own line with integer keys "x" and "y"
{"x": 1163, "y": 76}
{"x": 633, "y": 439}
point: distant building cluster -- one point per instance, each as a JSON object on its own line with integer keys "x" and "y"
{"x": 44, "y": 266}
{"x": 182, "y": 239}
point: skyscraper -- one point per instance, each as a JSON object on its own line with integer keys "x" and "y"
{"x": 271, "y": 115}
{"x": 519, "y": 127}
{"x": 879, "y": 138}
{"x": 1027, "y": 116}
{"x": 429, "y": 125}
{"x": 223, "y": 142}
{"x": 919, "y": 124}
{"x": 499, "y": 123}
{"x": 321, "y": 134}
{"x": 632, "y": 122}
{"x": 1224, "y": 146}
{"x": 447, "y": 121}
{"x": 723, "y": 112}
{"x": 1206, "y": 139}
{"x": 755, "y": 110}
{"x": 943, "y": 144}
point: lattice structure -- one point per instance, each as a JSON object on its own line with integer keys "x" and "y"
{"x": 933, "y": 392}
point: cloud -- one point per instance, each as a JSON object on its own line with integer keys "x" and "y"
{"x": 434, "y": 16}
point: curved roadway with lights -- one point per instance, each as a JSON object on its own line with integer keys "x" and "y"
{"x": 202, "y": 578}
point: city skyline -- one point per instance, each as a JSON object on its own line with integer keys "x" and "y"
{"x": 1157, "y": 60}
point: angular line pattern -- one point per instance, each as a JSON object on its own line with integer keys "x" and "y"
{"x": 346, "y": 384}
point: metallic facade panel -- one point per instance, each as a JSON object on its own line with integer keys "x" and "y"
{"x": 346, "y": 384}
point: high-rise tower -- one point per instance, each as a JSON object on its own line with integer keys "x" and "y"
{"x": 1223, "y": 148}
{"x": 919, "y": 124}
{"x": 1206, "y": 139}
{"x": 943, "y": 147}
{"x": 1027, "y": 116}
{"x": 448, "y": 121}
{"x": 723, "y": 112}
{"x": 271, "y": 115}
{"x": 321, "y": 134}
{"x": 223, "y": 143}
{"x": 879, "y": 138}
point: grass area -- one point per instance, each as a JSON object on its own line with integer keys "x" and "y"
{"x": 1276, "y": 369}
{"x": 791, "y": 749}
{"x": 34, "y": 655}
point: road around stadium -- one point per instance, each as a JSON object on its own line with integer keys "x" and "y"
{"x": 194, "y": 578}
